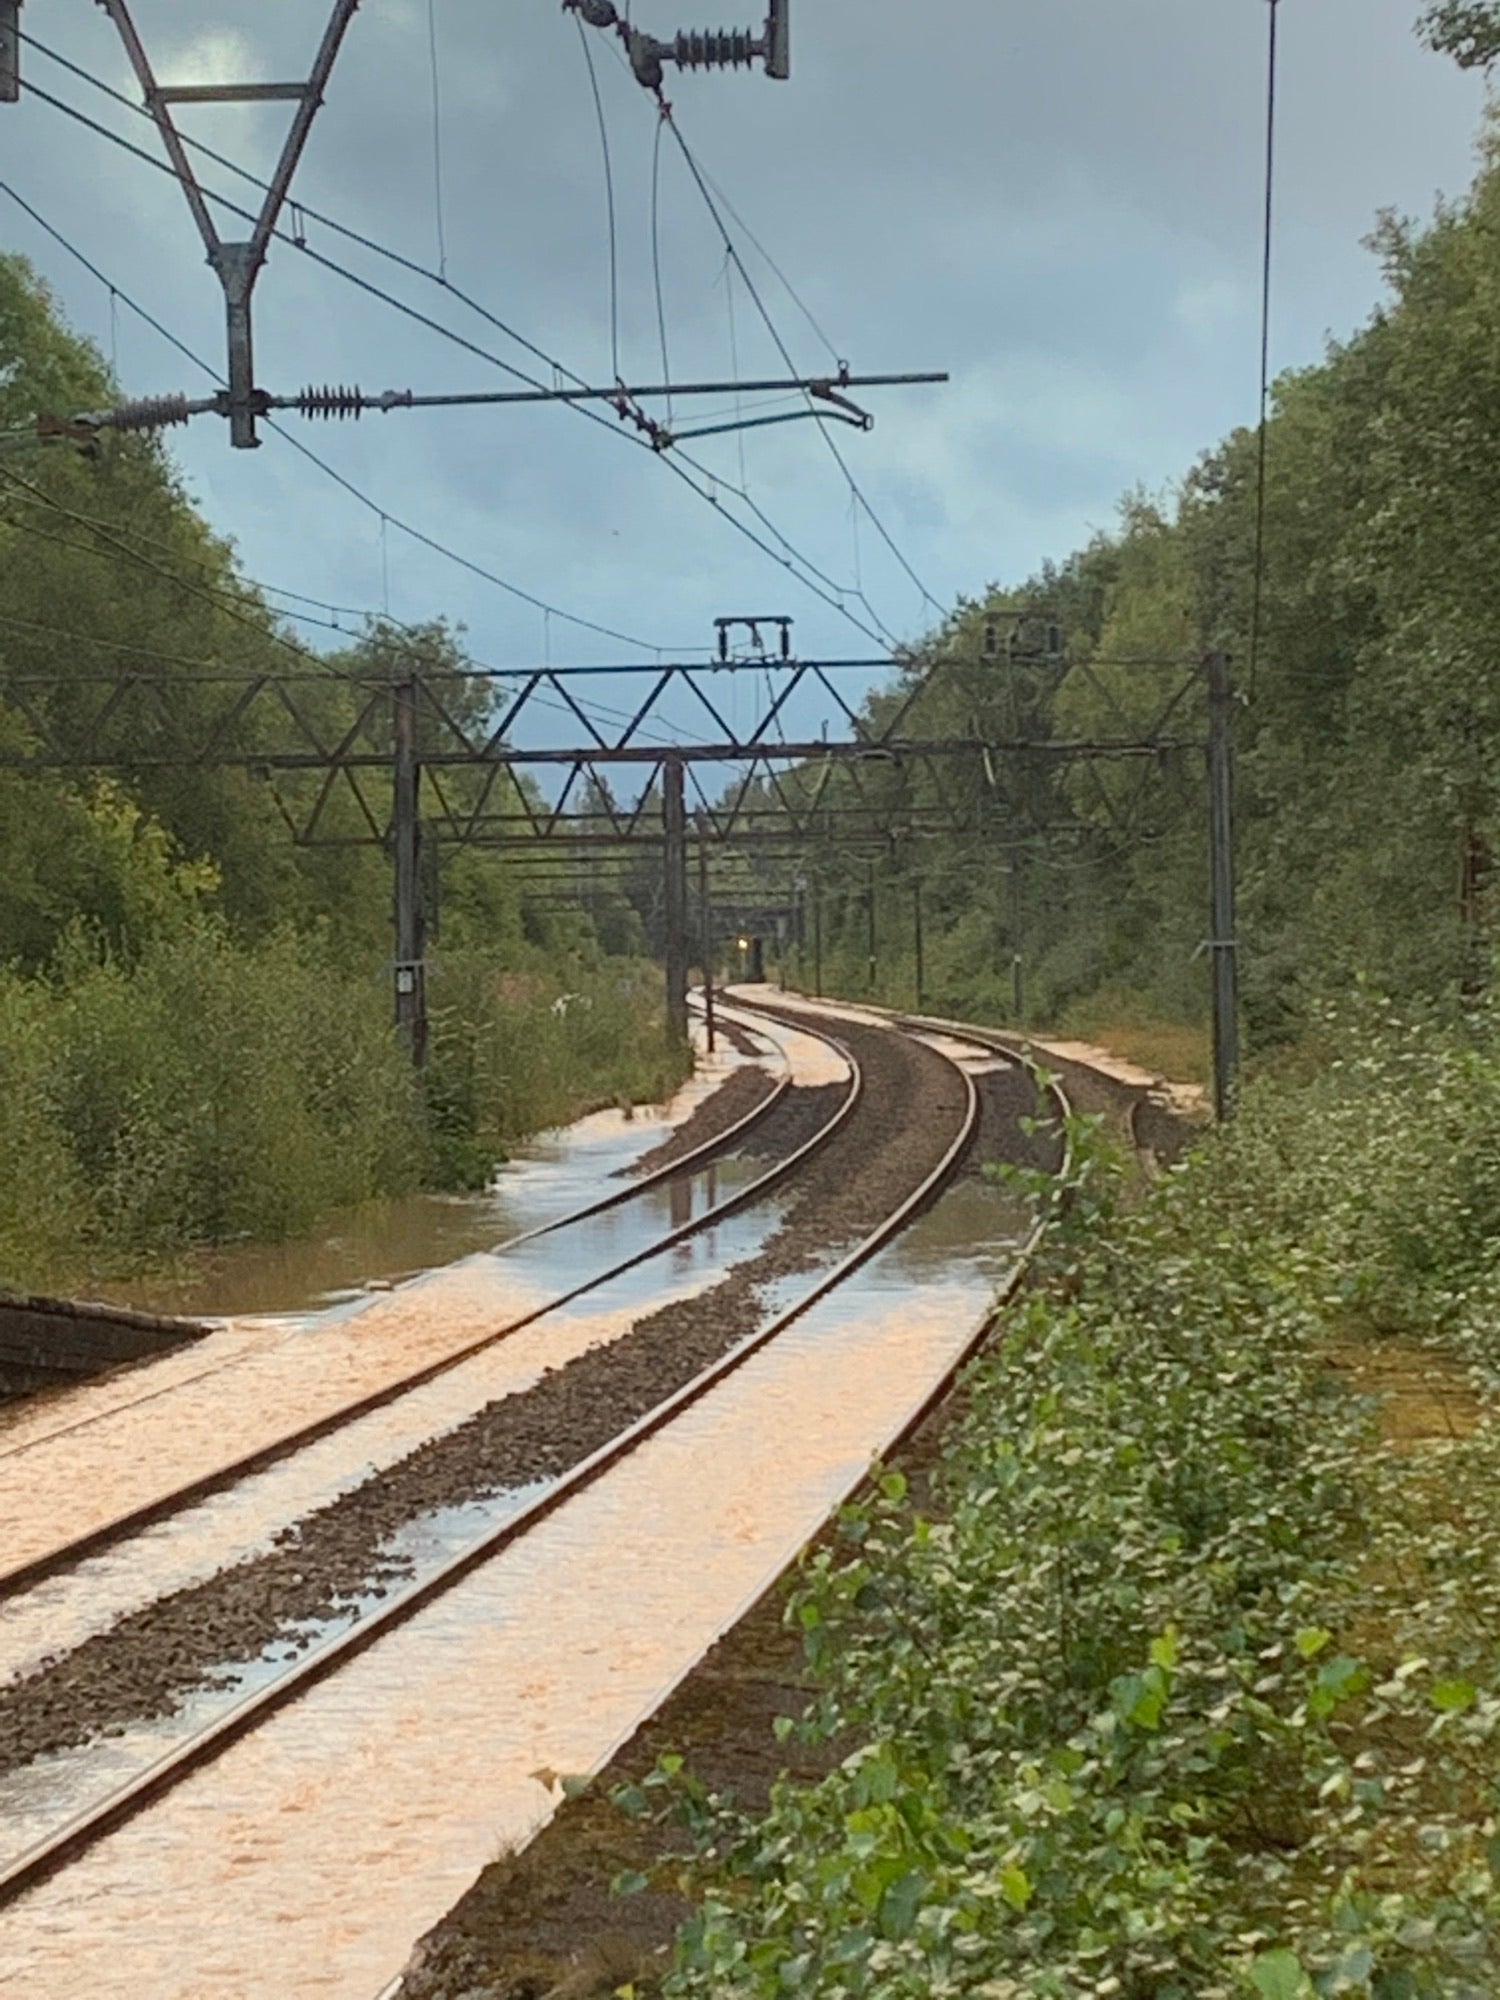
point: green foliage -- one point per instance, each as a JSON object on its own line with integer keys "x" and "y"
{"x": 511, "y": 1053}
{"x": 194, "y": 1012}
{"x": 1467, "y": 30}
{"x": 1072, "y": 1206}
{"x": 1181, "y": 1686}
{"x": 205, "y": 1091}
{"x": 1364, "y": 746}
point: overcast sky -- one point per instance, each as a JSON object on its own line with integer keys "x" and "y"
{"x": 1059, "y": 202}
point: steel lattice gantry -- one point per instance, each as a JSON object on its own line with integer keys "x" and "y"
{"x": 396, "y": 757}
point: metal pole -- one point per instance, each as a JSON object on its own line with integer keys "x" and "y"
{"x": 674, "y": 829}
{"x": 1223, "y": 944}
{"x": 237, "y": 264}
{"x": 10, "y": 51}
{"x": 1017, "y": 954}
{"x": 406, "y": 831}
{"x": 237, "y": 273}
{"x": 817, "y": 941}
{"x": 706, "y": 937}
{"x": 871, "y": 965}
{"x": 916, "y": 917}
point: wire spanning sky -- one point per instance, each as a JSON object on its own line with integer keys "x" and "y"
{"x": 1060, "y": 203}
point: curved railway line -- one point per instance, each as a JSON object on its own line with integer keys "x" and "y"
{"x": 902, "y": 1129}
{"x": 75, "y": 1548}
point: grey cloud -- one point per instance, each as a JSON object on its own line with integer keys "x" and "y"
{"x": 1058, "y": 202}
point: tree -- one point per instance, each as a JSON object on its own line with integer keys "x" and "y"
{"x": 1467, "y": 30}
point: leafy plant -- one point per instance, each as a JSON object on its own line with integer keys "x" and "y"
{"x": 1183, "y": 1686}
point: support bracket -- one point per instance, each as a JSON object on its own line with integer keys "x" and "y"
{"x": 237, "y": 265}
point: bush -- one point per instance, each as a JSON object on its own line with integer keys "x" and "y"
{"x": 1185, "y": 1686}
{"x": 510, "y": 1054}
{"x": 208, "y": 1089}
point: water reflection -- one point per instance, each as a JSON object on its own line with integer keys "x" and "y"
{"x": 327, "y": 1841}
{"x": 371, "y": 1247}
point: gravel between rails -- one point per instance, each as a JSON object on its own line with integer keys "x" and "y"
{"x": 142, "y": 1667}
{"x": 1007, "y": 1102}
{"x": 739, "y": 1094}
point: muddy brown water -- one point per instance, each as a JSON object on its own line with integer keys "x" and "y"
{"x": 851, "y": 1178}
{"x": 146, "y": 1662}
{"x": 327, "y": 1842}
{"x": 373, "y": 1246}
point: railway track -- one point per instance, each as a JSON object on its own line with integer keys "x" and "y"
{"x": 174, "y": 1496}
{"x": 872, "y": 1155}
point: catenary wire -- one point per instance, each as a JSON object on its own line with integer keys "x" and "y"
{"x": 734, "y": 367}
{"x": 661, "y": 310}
{"x": 791, "y": 560}
{"x": 749, "y": 234}
{"x": 609, "y": 200}
{"x": 760, "y": 306}
{"x": 236, "y": 605}
{"x": 231, "y": 606}
{"x": 440, "y": 548}
{"x": 437, "y": 139}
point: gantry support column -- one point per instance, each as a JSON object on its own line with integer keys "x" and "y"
{"x": 675, "y": 897}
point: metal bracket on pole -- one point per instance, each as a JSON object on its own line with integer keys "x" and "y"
{"x": 10, "y": 51}
{"x": 782, "y": 624}
{"x": 238, "y": 265}
{"x": 406, "y": 842}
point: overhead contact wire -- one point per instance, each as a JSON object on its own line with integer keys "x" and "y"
{"x": 437, "y": 141}
{"x": 440, "y": 548}
{"x": 782, "y": 349}
{"x": 661, "y": 310}
{"x": 794, "y": 561}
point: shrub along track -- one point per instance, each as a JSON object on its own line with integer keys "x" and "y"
{"x": 908, "y": 1117}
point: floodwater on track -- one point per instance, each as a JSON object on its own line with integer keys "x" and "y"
{"x": 336, "y": 1834}
{"x": 231, "y": 1526}
{"x": 384, "y": 1241}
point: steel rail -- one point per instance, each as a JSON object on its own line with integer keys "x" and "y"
{"x": 687, "y": 1163}
{"x": 1016, "y": 1050}
{"x": 46, "y": 1857}
{"x": 24, "y": 1575}
{"x": 944, "y": 1386}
